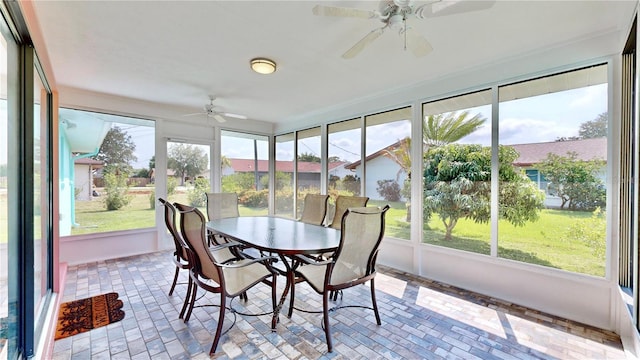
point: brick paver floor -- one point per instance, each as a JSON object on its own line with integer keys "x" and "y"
{"x": 421, "y": 319}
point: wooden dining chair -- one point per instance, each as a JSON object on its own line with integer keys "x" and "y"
{"x": 315, "y": 209}
{"x": 342, "y": 204}
{"x": 229, "y": 279}
{"x": 362, "y": 230}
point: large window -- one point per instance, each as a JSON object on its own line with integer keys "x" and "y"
{"x": 555, "y": 126}
{"x": 188, "y": 173}
{"x": 245, "y": 170}
{"x": 308, "y": 165}
{"x": 387, "y": 167}
{"x": 344, "y": 144}
{"x": 284, "y": 175}
{"x": 344, "y": 148}
{"x": 456, "y": 142}
{"x": 42, "y": 233}
{"x": 7, "y": 315}
{"x": 107, "y": 170}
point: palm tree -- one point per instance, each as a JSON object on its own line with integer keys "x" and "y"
{"x": 437, "y": 130}
{"x": 447, "y": 128}
{"x": 224, "y": 162}
{"x": 401, "y": 155}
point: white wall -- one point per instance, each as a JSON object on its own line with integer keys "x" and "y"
{"x": 381, "y": 168}
{"x": 80, "y": 249}
{"x": 578, "y": 297}
{"x": 83, "y": 181}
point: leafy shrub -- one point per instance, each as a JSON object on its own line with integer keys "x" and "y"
{"x": 238, "y": 182}
{"x": 115, "y": 186}
{"x": 254, "y": 199}
{"x": 172, "y": 184}
{"x": 389, "y": 190}
{"x": 152, "y": 200}
{"x": 590, "y": 231}
{"x": 197, "y": 195}
{"x": 283, "y": 180}
{"x": 351, "y": 183}
{"x": 284, "y": 200}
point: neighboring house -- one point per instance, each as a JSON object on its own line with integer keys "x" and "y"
{"x": 380, "y": 166}
{"x": 84, "y": 169}
{"x": 533, "y": 154}
{"x": 80, "y": 136}
{"x": 308, "y": 172}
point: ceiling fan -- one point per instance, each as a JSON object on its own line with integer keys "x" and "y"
{"x": 394, "y": 14}
{"x": 212, "y": 112}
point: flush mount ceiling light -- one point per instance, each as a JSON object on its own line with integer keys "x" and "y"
{"x": 263, "y": 66}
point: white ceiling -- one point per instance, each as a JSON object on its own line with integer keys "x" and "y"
{"x": 178, "y": 52}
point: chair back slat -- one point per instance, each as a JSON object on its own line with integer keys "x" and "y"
{"x": 362, "y": 232}
{"x": 315, "y": 209}
{"x": 193, "y": 228}
{"x": 342, "y": 204}
{"x": 222, "y": 205}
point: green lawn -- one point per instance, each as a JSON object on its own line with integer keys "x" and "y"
{"x": 543, "y": 242}
{"x": 92, "y": 216}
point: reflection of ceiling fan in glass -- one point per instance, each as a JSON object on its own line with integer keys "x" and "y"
{"x": 212, "y": 112}
{"x": 394, "y": 14}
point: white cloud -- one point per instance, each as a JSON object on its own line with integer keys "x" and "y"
{"x": 524, "y": 131}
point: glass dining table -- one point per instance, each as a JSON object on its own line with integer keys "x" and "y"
{"x": 284, "y": 237}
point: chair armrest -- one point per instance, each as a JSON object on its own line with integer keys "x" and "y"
{"x": 224, "y": 246}
{"x": 311, "y": 261}
{"x": 245, "y": 263}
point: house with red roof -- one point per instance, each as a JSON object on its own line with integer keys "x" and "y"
{"x": 533, "y": 154}
{"x": 308, "y": 172}
{"x": 380, "y": 166}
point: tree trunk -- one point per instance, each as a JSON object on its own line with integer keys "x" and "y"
{"x": 449, "y": 227}
{"x": 408, "y": 211}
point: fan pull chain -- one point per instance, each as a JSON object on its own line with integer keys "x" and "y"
{"x": 405, "y": 34}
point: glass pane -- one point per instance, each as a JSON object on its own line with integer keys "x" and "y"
{"x": 188, "y": 173}
{"x": 7, "y": 323}
{"x": 107, "y": 166}
{"x": 309, "y": 169}
{"x": 555, "y": 126}
{"x": 41, "y": 196}
{"x": 387, "y": 168}
{"x": 284, "y": 175}
{"x": 245, "y": 170}
{"x": 456, "y": 138}
{"x": 344, "y": 148}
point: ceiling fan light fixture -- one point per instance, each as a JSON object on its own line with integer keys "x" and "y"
{"x": 263, "y": 66}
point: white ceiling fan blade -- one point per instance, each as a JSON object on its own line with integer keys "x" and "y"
{"x": 417, "y": 43}
{"x": 237, "y": 116}
{"x": 450, "y": 7}
{"x": 360, "y": 45}
{"x": 194, "y": 114}
{"x": 322, "y": 10}
{"x": 219, "y": 118}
